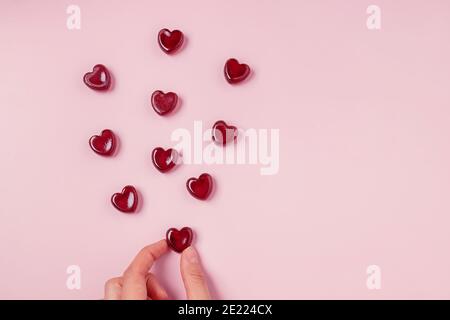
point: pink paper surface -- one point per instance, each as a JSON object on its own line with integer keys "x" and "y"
{"x": 364, "y": 175}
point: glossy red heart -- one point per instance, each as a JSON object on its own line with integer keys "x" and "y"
{"x": 236, "y": 72}
{"x": 98, "y": 79}
{"x": 127, "y": 200}
{"x": 170, "y": 41}
{"x": 200, "y": 188}
{"x": 104, "y": 144}
{"x": 178, "y": 240}
{"x": 164, "y": 103}
{"x": 223, "y": 133}
{"x": 164, "y": 160}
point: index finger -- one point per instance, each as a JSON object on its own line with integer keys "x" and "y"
{"x": 135, "y": 276}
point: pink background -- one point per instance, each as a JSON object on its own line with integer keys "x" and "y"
{"x": 364, "y": 155}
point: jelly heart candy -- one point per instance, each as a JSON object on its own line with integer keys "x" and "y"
{"x": 223, "y": 133}
{"x": 98, "y": 79}
{"x": 164, "y": 103}
{"x": 236, "y": 72}
{"x": 104, "y": 144}
{"x": 170, "y": 41}
{"x": 164, "y": 160}
{"x": 200, "y": 188}
{"x": 127, "y": 200}
{"x": 178, "y": 240}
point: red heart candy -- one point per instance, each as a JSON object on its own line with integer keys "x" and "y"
{"x": 178, "y": 240}
{"x": 236, "y": 72}
{"x": 170, "y": 41}
{"x": 104, "y": 144}
{"x": 163, "y": 103}
{"x": 127, "y": 200}
{"x": 98, "y": 79}
{"x": 164, "y": 160}
{"x": 223, "y": 133}
{"x": 200, "y": 188}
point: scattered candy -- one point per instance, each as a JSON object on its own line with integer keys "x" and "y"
{"x": 200, "y": 188}
{"x": 170, "y": 41}
{"x": 223, "y": 133}
{"x": 99, "y": 79}
{"x": 104, "y": 144}
{"x": 236, "y": 72}
{"x": 164, "y": 103}
{"x": 178, "y": 240}
{"x": 127, "y": 200}
{"x": 164, "y": 160}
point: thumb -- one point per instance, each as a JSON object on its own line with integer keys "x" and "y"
{"x": 193, "y": 275}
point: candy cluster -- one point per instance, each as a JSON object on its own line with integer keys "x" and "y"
{"x": 164, "y": 160}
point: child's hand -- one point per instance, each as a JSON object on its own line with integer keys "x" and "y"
{"x": 137, "y": 283}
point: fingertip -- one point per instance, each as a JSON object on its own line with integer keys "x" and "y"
{"x": 160, "y": 247}
{"x": 190, "y": 255}
{"x": 193, "y": 275}
{"x": 163, "y": 244}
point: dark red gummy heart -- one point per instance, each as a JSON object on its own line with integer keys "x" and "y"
{"x": 127, "y": 200}
{"x": 104, "y": 144}
{"x": 98, "y": 79}
{"x": 170, "y": 41}
{"x": 164, "y": 103}
{"x": 178, "y": 240}
{"x": 223, "y": 133}
{"x": 200, "y": 188}
{"x": 236, "y": 72}
{"x": 164, "y": 160}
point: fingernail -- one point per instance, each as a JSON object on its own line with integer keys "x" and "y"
{"x": 191, "y": 255}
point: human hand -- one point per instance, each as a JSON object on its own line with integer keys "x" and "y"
{"x": 138, "y": 283}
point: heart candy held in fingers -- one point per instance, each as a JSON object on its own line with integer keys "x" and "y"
{"x": 178, "y": 240}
